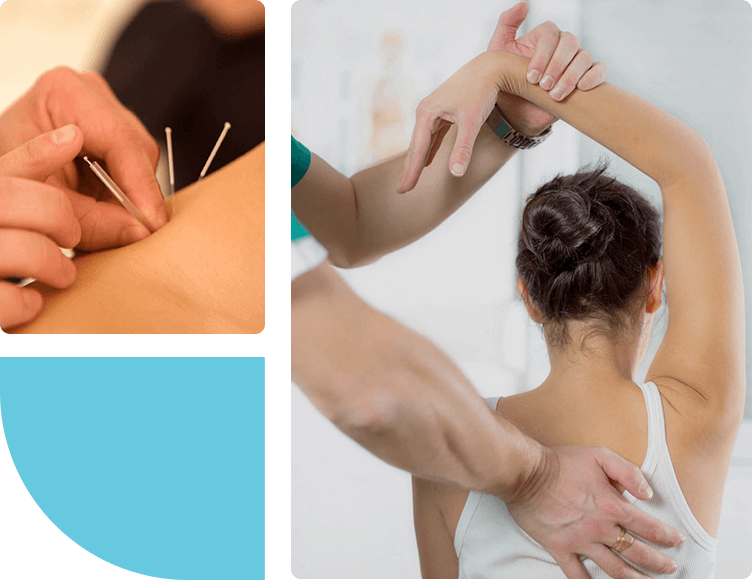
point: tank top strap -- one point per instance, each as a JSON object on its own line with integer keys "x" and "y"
{"x": 492, "y": 402}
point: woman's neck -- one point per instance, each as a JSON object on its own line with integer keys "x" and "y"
{"x": 599, "y": 368}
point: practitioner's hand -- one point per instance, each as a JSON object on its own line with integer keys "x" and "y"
{"x": 553, "y": 54}
{"x": 571, "y": 508}
{"x": 111, "y": 133}
{"x": 466, "y": 98}
{"x": 35, "y": 218}
{"x": 557, "y": 63}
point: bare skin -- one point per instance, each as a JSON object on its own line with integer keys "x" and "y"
{"x": 203, "y": 272}
{"x": 233, "y": 18}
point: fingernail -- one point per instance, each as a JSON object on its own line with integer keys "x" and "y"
{"x": 533, "y": 76}
{"x": 63, "y": 135}
{"x": 547, "y": 82}
{"x": 76, "y": 233}
{"x": 159, "y": 218}
{"x": 645, "y": 490}
{"x": 674, "y": 566}
{"x": 557, "y": 93}
{"x": 682, "y": 537}
{"x": 458, "y": 170}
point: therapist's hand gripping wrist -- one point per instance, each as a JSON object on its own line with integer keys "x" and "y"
{"x": 557, "y": 62}
{"x": 111, "y": 133}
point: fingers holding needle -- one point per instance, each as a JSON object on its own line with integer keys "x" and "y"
{"x": 105, "y": 178}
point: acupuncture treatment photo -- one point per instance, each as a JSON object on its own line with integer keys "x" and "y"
{"x": 520, "y": 260}
{"x": 132, "y": 166}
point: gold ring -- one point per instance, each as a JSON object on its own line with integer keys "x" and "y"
{"x": 623, "y": 542}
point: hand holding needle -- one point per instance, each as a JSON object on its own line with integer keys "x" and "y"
{"x": 118, "y": 193}
{"x": 123, "y": 199}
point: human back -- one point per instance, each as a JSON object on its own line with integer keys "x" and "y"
{"x": 611, "y": 412}
{"x": 203, "y": 272}
{"x": 622, "y": 422}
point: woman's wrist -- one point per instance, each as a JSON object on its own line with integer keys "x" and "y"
{"x": 508, "y": 71}
{"x": 523, "y": 116}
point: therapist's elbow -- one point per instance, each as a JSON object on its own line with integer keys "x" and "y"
{"x": 368, "y": 411}
{"x": 346, "y": 248}
{"x": 340, "y": 257}
{"x": 348, "y": 257}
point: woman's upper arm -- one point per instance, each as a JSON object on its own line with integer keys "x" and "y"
{"x": 704, "y": 345}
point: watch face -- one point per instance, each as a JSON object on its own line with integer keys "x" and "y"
{"x": 511, "y": 137}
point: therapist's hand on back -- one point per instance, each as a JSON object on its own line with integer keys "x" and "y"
{"x": 557, "y": 64}
{"x": 571, "y": 507}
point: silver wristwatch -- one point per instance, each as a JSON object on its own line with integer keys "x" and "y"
{"x": 503, "y": 129}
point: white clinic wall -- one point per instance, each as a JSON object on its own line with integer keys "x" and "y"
{"x": 352, "y": 514}
{"x": 456, "y": 284}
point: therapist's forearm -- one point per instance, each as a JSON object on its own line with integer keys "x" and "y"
{"x": 388, "y": 220}
{"x": 419, "y": 413}
{"x": 398, "y": 395}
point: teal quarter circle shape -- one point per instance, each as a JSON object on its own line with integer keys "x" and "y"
{"x": 154, "y": 465}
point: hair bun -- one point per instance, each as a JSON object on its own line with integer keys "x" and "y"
{"x": 565, "y": 228}
{"x": 585, "y": 246}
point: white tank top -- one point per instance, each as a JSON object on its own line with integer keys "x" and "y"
{"x": 489, "y": 544}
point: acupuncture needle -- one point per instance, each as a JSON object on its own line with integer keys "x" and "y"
{"x": 170, "y": 160}
{"x": 118, "y": 193}
{"x": 214, "y": 151}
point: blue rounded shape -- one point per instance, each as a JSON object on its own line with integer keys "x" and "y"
{"x": 155, "y": 465}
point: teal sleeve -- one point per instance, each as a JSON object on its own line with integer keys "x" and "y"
{"x": 298, "y": 230}
{"x": 301, "y": 160}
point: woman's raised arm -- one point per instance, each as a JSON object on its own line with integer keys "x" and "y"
{"x": 653, "y": 141}
{"x": 704, "y": 344}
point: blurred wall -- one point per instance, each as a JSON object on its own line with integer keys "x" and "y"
{"x": 37, "y": 35}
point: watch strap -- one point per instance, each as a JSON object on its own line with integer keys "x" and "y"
{"x": 510, "y": 136}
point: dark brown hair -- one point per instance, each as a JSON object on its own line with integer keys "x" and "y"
{"x": 585, "y": 246}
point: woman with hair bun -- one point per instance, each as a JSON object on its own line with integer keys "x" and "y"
{"x": 586, "y": 246}
{"x": 590, "y": 272}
